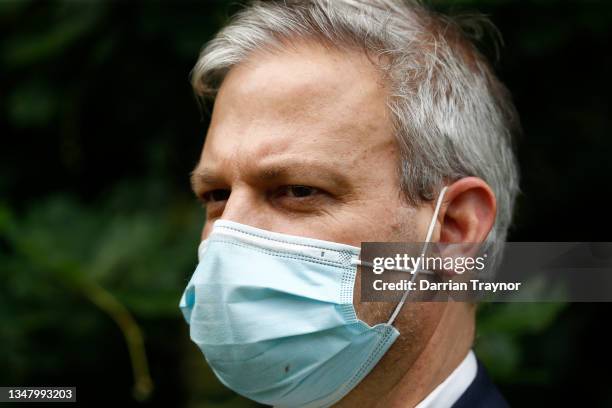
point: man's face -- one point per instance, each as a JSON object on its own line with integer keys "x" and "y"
{"x": 300, "y": 142}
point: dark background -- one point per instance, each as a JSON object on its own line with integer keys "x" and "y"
{"x": 98, "y": 228}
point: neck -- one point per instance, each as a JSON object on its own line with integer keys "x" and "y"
{"x": 405, "y": 376}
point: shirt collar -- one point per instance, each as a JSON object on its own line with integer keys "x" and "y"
{"x": 449, "y": 391}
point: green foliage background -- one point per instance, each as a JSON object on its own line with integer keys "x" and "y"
{"x": 98, "y": 229}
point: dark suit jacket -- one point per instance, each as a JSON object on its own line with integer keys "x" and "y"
{"x": 481, "y": 393}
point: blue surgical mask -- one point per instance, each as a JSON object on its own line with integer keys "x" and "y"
{"x": 273, "y": 315}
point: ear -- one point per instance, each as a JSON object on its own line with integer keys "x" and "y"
{"x": 469, "y": 211}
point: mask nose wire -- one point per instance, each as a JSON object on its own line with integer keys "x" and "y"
{"x": 432, "y": 225}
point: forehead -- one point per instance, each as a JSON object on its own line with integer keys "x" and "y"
{"x": 307, "y": 100}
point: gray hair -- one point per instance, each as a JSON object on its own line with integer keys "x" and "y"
{"x": 452, "y": 117}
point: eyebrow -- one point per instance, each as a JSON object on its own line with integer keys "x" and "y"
{"x": 203, "y": 177}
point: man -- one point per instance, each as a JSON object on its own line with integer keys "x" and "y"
{"x": 335, "y": 123}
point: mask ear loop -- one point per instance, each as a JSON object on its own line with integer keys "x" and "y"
{"x": 432, "y": 224}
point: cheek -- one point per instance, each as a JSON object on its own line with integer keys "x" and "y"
{"x": 417, "y": 323}
{"x": 206, "y": 230}
{"x": 378, "y": 223}
{"x": 400, "y": 225}
{"x": 370, "y": 312}
{"x": 409, "y": 224}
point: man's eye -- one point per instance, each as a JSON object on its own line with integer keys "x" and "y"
{"x": 216, "y": 195}
{"x": 299, "y": 191}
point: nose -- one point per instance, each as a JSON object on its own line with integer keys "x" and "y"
{"x": 244, "y": 206}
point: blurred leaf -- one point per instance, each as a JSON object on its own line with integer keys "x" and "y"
{"x": 500, "y": 353}
{"x": 518, "y": 318}
{"x": 33, "y": 104}
{"x": 75, "y": 20}
{"x": 501, "y": 327}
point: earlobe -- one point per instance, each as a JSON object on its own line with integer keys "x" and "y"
{"x": 469, "y": 211}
